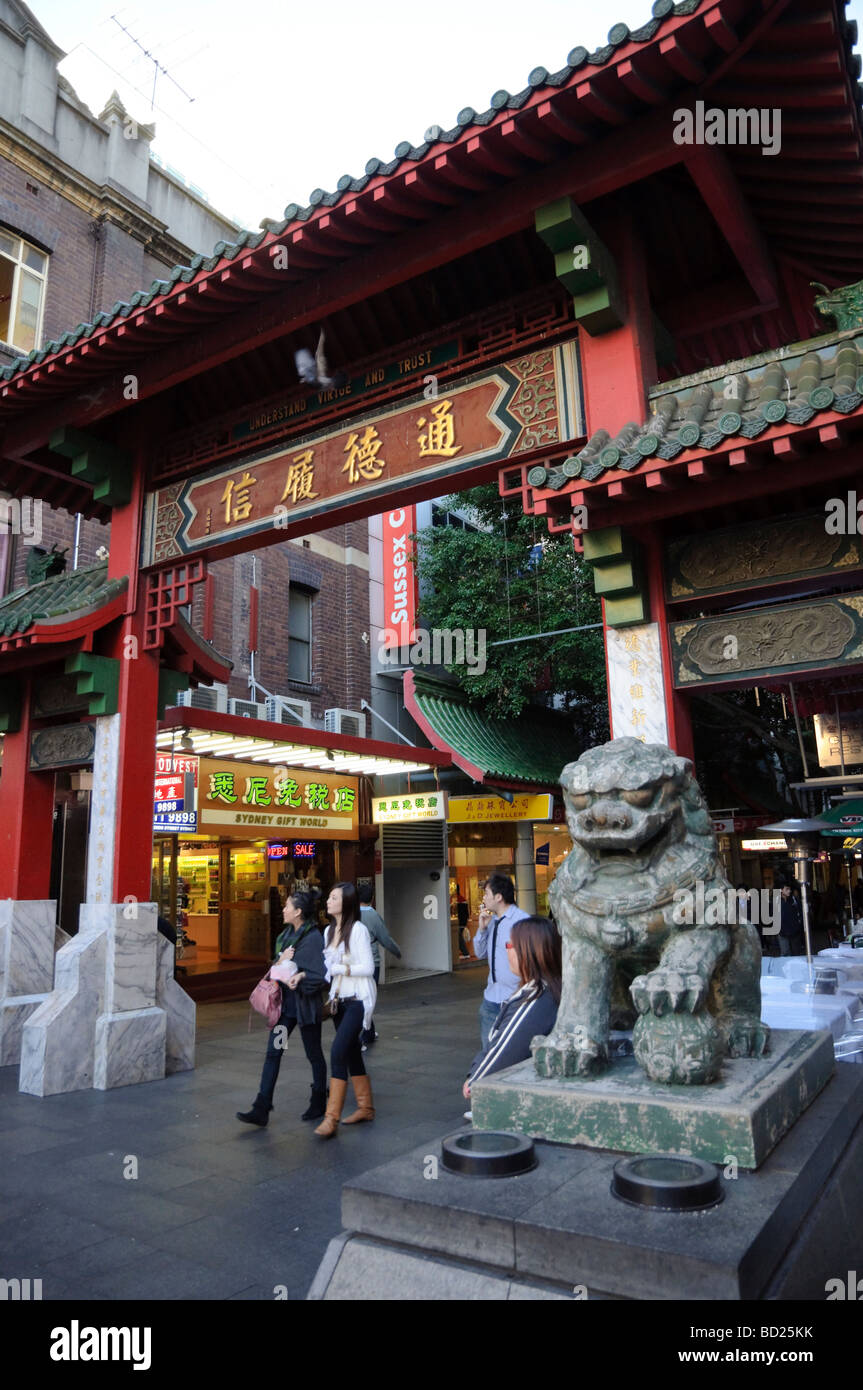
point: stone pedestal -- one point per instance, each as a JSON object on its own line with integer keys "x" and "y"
{"x": 28, "y": 939}
{"x": 415, "y": 1231}
{"x": 744, "y": 1114}
{"x": 116, "y": 1016}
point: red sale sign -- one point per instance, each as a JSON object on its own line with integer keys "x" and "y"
{"x": 400, "y": 578}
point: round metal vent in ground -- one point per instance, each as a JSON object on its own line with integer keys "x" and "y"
{"x": 488, "y": 1153}
{"x": 667, "y": 1182}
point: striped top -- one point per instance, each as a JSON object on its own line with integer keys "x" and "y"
{"x": 526, "y": 1014}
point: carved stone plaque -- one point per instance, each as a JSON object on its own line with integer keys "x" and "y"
{"x": 766, "y": 552}
{"x": 768, "y": 641}
{"x": 66, "y": 745}
{"x": 58, "y": 695}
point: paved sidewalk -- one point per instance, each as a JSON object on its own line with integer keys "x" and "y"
{"x": 219, "y": 1209}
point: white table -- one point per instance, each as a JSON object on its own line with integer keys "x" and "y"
{"x": 810, "y": 1012}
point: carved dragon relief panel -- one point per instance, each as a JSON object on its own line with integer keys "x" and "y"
{"x": 768, "y": 641}
{"x": 748, "y": 556}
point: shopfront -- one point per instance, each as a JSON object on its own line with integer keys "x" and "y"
{"x": 257, "y": 834}
{"x": 526, "y": 839}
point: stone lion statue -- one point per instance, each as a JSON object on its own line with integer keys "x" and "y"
{"x": 643, "y": 843}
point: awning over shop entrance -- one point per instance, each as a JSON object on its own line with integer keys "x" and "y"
{"x": 533, "y": 748}
{"x": 846, "y": 818}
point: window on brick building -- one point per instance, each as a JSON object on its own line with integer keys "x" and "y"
{"x": 299, "y": 635}
{"x": 23, "y": 272}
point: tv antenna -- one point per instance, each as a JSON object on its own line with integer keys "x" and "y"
{"x": 157, "y": 66}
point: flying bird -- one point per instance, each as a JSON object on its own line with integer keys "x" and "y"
{"x": 315, "y": 371}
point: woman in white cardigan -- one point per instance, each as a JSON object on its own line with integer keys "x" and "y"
{"x": 350, "y": 969}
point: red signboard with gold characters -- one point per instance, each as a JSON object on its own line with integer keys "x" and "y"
{"x": 527, "y": 404}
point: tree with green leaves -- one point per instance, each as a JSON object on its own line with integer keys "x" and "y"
{"x": 513, "y": 579}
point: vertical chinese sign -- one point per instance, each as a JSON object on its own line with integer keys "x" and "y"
{"x": 636, "y": 689}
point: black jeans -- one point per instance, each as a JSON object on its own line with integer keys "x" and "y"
{"x": 311, "y": 1036}
{"x": 346, "y": 1055}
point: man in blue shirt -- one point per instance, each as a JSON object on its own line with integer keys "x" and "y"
{"x": 497, "y": 915}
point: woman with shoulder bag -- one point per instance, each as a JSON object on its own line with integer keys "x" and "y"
{"x": 350, "y": 968}
{"x": 302, "y": 996}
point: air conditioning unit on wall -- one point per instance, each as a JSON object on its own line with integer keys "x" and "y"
{"x": 345, "y": 721}
{"x": 282, "y": 709}
{"x": 211, "y": 697}
{"x": 246, "y": 709}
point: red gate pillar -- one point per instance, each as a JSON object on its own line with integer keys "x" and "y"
{"x": 26, "y": 817}
{"x": 619, "y": 367}
{"x": 138, "y": 707}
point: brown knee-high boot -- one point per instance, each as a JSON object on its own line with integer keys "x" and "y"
{"x": 365, "y": 1108}
{"x": 335, "y": 1105}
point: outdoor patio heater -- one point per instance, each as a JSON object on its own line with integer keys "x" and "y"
{"x": 801, "y": 837}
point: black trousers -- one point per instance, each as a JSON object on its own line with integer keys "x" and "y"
{"x": 311, "y": 1036}
{"x": 346, "y": 1056}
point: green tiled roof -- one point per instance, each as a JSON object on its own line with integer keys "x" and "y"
{"x": 532, "y": 748}
{"x": 405, "y": 153}
{"x": 58, "y": 598}
{"x": 740, "y": 399}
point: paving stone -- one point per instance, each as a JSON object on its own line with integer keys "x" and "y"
{"x": 197, "y": 1164}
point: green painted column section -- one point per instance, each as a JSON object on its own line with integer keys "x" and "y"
{"x": 10, "y": 705}
{"x": 617, "y": 576}
{"x": 583, "y": 264}
{"x": 107, "y": 468}
{"x": 170, "y": 685}
{"x": 98, "y": 678}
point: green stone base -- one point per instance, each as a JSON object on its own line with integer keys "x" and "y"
{"x": 743, "y": 1115}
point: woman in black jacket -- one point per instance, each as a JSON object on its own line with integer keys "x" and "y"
{"x": 533, "y": 953}
{"x": 302, "y": 943}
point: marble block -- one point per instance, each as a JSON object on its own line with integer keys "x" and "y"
{"x": 129, "y": 1048}
{"x": 57, "y": 1039}
{"x": 13, "y": 1015}
{"x": 180, "y": 1010}
{"x": 27, "y": 946}
{"x": 745, "y": 1113}
{"x": 130, "y": 964}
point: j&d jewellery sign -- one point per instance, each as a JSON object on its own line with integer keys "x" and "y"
{"x": 523, "y": 405}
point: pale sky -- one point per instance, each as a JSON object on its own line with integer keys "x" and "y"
{"x": 289, "y": 96}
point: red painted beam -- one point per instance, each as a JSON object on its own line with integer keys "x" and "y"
{"x": 715, "y": 180}
{"x": 622, "y": 158}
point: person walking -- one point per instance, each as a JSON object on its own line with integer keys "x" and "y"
{"x": 497, "y": 916}
{"x": 534, "y": 951}
{"x": 792, "y": 940}
{"x": 302, "y": 998}
{"x": 374, "y": 925}
{"x": 350, "y": 969}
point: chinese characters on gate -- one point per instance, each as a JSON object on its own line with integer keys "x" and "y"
{"x": 364, "y": 463}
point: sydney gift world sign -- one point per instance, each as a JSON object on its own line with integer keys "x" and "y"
{"x": 530, "y": 403}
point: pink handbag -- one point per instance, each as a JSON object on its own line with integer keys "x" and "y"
{"x": 266, "y": 999}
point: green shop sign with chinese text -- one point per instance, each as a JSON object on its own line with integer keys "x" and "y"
{"x": 261, "y": 800}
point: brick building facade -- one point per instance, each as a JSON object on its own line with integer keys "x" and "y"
{"x": 83, "y": 191}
